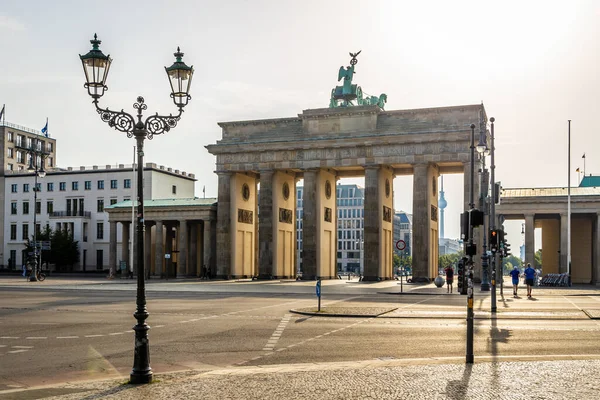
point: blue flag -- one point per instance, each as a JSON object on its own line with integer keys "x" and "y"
{"x": 45, "y": 128}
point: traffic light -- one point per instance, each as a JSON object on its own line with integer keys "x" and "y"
{"x": 460, "y": 269}
{"x": 506, "y": 249}
{"x": 494, "y": 240}
{"x": 497, "y": 189}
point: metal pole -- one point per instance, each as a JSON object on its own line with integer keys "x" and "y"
{"x": 492, "y": 223}
{"x": 33, "y": 276}
{"x": 141, "y": 372}
{"x": 568, "y": 209}
{"x": 469, "y": 352}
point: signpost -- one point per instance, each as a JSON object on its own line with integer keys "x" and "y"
{"x": 318, "y": 290}
{"x": 401, "y": 245}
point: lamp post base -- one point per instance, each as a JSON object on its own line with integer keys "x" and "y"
{"x": 140, "y": 378}
{"x": 485, "y": 287}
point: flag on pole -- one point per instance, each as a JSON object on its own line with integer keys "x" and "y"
{"x": 2, "y": 111}
{"x": 45, "y": 128}
{"x": 583, "y": 156}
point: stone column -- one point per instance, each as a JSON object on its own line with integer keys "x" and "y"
{"x": 309, "y": 223}
{"x": 420, "y": 235}
{"x": 169, "y": 270}
{"x": 265, "y": 228}
{"x": 112, "y": 247}
{"x": 596, "y": 251}
{"x": 372, "y": 221}
{"x": 207, "y": 245}
{"x": 182, "y": 248}
{"x": 193, "y": 259}
{"x": 529, "y": 239}
{"x": 125, "y": 246}
{"x": 148, "y": 249}
{"x": 564, "y": 237}
{"x": 223, "y": 226}
{"x": 159, "y": 253}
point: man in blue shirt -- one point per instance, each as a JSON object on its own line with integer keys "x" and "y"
{"x": 515, "y": 280}
{"x": 529, "y": 277}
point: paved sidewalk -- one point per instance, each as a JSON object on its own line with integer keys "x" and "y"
{"x": 444, "y": 378}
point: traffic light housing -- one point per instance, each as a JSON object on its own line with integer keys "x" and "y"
{"x": 506, "y": 249}
{"x": 460, "y": 269}
{"x": 497, "y": 189}
{"x": 494, "y": 240}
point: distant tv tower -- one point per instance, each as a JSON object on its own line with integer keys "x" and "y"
{"x": 442, "y": 203}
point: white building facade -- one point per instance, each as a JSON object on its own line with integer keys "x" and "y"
{"x": 73, "y": 199}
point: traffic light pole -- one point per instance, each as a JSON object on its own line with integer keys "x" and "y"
{"x": 469, "y": 266}
{"x": 492, "y": 224}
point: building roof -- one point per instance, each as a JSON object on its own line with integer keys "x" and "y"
{"x": 189, "y": 202}
{"x": 547, "y": 192}
{"x": 590, "y": 181}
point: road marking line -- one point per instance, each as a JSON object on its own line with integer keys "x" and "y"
{"x": 36, "y": 337}
{"x": 67, "y": 337}
{"x": 574, "y": 305}
{"x": 3, "y": 345}
{"x": 17, "y": 351}
{"x": 115, "y": 333}
{"x": 91, "y": 336}
{"x": 22, "y": 347}
{"x": 9, "y": 337}
{"x": 277, "y": 334}
{"x": 158, "y": 326}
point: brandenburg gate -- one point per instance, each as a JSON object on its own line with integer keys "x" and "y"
{"x": 354, "y": 137}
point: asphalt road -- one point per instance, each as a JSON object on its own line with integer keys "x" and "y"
{"x": 49, "y": 335}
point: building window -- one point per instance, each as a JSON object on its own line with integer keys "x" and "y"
{"x": 100, "y": 185}
{"x": 38, "y": 187}
{"x": 75, "y": 185}
{"x": 50, "y": 162}
{"x": 88, "y": 185}
{"x": 25, "y": 207}
{"x": 113, "y": 183}
{"x": 49, "y": 147}
{"x": 10, "y": 152}
{"x": 127, "y": 183}
{"x": 174, "y": 189}
{"x": 13, "y": 188}
{"x": 29, "y": 141}
{"x": 50, "y": 206}
{"x": 113, "y": 201}
{"x": 10, "y": 167}
{"x": 20, "y": 157}
{"x": 25, "y": 231}
{"x": 50, "y": 187}
{"x": 100, "y": 205}
{"x": 26, "y": 187}
{"x": 13, "y": 232}
{"x": 10, "y": 136}
{"x": 13, "y": 208}
{"x": 62, "y": 186}
{"x": 100, "y": 230}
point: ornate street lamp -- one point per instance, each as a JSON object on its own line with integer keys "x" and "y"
{"x": 36, "y": 165}
{"x": 483, "y": 150}
{"x": 96, "y": 66}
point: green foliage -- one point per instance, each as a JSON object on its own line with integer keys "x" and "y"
{"x": 64, "y": 250}
{"x": 538, "y": 259}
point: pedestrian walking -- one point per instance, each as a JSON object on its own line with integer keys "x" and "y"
{"x": 515, "y": 280}
{"x": 449, "y": 278}
{"x": 529, "y": 277}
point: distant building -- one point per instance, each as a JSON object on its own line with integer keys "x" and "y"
{"x": 74, "y": 200}
{"x": 403, "y": 231}
{"x": 449, "y": 246}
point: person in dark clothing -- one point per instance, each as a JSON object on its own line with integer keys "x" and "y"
{"x": 449, "y": 278}
{"x": 515, "y": 280}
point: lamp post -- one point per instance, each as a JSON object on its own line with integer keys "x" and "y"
{"x": 483, "y": 150}
{"x": 96, "y": 66}
{"x": 496, "y": 272}
{"x": 469, "y": 268}
{"x": 36, "y": 165}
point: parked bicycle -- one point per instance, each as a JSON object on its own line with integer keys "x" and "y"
{"x": 39, "y": 275}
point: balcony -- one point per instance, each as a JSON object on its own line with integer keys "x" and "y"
{"x": 66, "y": 214}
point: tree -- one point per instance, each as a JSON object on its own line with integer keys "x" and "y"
{"x": 510, "y": 261}
{"x": 538, "y": 259}
{"x": 64, "y": 250}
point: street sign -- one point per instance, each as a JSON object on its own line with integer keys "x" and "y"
{"x": 167, "y": 256}
{"x": 318, "y": 288}
{"x": 400, "y": 245}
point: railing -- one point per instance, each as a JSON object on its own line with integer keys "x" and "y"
{"x": 21, "y": 128}
{"x": 59, "y": 214}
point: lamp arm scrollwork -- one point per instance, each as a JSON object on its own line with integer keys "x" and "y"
{"x": 157, "y": 124}
{"x": 120, "y": 120}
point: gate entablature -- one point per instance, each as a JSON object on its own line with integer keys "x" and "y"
{"x": 347, "y": 138}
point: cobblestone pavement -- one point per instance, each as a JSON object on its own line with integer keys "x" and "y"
{"x": 374, "y": 379}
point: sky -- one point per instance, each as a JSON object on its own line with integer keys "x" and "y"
{"x": 533, "y": 64}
